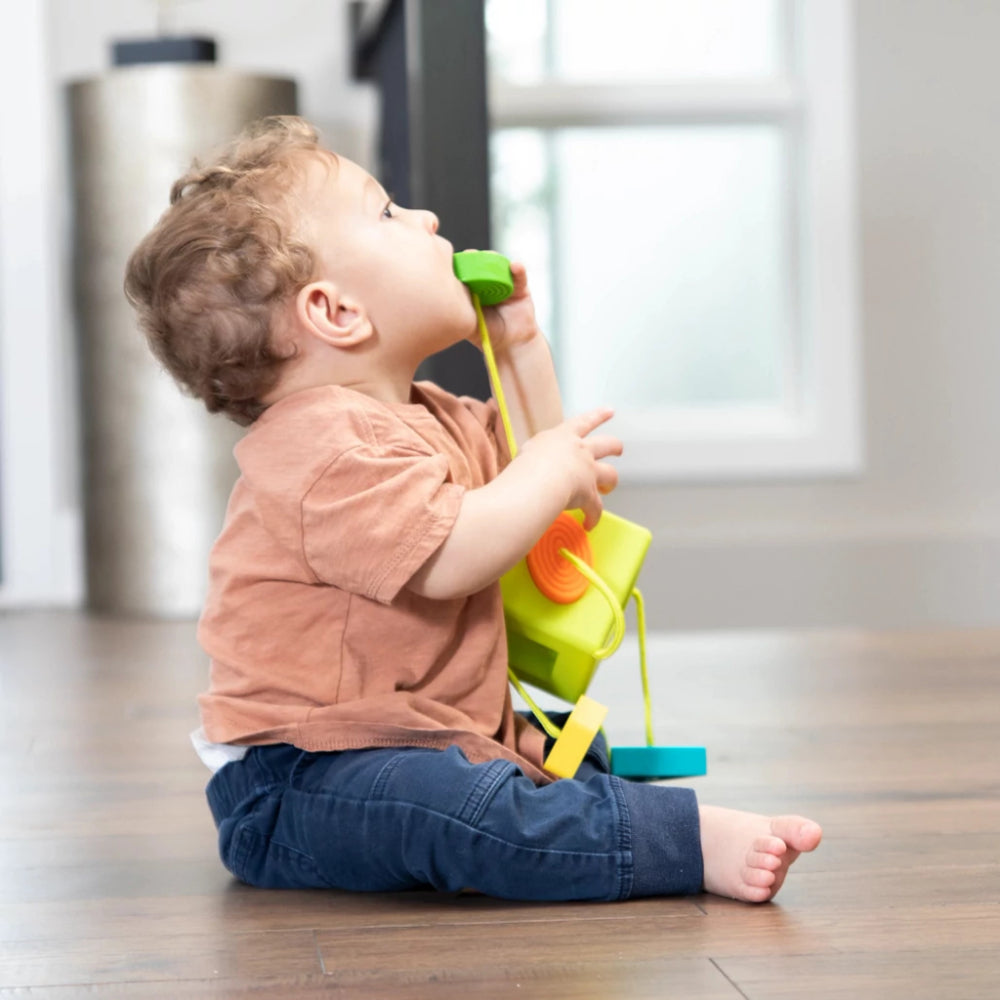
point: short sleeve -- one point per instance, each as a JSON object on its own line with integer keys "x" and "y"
{"x": 374, "y": 517}
{"x": 487, "y": 414}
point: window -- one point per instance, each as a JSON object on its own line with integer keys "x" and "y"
{"x": 678, "y": 178}
{"x": 40, "y": 527}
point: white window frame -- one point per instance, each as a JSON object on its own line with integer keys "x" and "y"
{"x": 40, "y": 524}
{"x": 817, "y": 433}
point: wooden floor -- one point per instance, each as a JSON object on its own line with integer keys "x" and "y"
{"x": 110, "y": 887}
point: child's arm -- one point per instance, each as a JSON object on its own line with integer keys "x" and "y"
{"x": 498, "y": 523}
{"x": 524, "y": 361}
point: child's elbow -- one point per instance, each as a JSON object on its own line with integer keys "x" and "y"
{"x": 436, "y": 591}
{"x": 438, "y": 583}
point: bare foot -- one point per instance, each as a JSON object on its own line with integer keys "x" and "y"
{"x": 747, "y": 856}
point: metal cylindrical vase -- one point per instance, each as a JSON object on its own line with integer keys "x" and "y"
{"x": 157, "y": 466}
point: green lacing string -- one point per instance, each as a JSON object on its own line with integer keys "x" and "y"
{"x": 543, "y": 720}
{"x": 640, "y": 614}
{"x": 618, "y": 628}
{"x": 491, "y": 367}
{"x": 550, "y": 728}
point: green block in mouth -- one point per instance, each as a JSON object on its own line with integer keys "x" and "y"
{"x": 485, "y": 273}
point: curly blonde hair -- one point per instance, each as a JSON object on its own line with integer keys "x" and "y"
{"x": 209, "y": 279}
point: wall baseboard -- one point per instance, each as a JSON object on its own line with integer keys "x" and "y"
{"x": 875, "y": 582}
{"x": 921, "y": 581}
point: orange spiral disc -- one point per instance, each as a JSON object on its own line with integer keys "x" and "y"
{"x": 554, "y": 575}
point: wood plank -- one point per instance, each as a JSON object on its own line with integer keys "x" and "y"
{"x": 647, "y": 980}
{"x": 942, "y": 972}
{"x": 138, "y": 957}
{"x": 240, "y": 909}
{"x": 727, "y": 930}
{"x": 510, "y": 954}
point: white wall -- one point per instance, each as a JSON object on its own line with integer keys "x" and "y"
{"x": 913, "y": 541}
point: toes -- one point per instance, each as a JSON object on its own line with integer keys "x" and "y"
{"x": 758, "y": 878}
{"x": 767, "y": 860}
{"x": 756, "y": 894}
{"x": 774, "y": 846}
{"x": 797, "y": 832}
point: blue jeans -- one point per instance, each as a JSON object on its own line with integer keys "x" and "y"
{"x": 391, "y": 819}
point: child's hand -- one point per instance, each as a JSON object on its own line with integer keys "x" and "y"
{"x": 558, "y": 468}
{"x": 511, "y": 322}
{"x": 568, "y": 457}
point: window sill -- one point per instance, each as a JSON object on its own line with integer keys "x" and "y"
{"x": 735, "y": 445}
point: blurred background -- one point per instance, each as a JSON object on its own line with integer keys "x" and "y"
{"x": 764, "y": 230}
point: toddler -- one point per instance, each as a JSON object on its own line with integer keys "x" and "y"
{"x": 358, "y": 719}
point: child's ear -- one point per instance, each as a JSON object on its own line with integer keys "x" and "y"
{"x": 336, "y": 319}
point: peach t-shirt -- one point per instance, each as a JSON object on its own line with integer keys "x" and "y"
{"x": 313, "y": 637}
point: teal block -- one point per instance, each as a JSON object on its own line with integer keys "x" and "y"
{"x": 650, "y": 763}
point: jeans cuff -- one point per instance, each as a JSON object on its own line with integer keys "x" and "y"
{"x": 666, "y": 840}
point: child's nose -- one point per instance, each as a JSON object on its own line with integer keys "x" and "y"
{"x": 430, "y": 220}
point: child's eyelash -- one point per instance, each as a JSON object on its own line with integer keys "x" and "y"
{"x": 387, "y": 211}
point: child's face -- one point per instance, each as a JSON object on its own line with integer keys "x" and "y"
{"x": 388, "y": 258}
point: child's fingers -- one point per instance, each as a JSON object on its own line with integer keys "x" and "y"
{"x": 519, "y": 274}
{"x": 592, "y": 511}
{"x": 604, "y": 445}
{"x": 607, "y": 478}
{"x": 584, "y": 423}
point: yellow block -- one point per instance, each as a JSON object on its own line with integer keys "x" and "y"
{"x": 581, "y": 727}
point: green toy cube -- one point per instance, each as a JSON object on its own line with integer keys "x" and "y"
{"x": 551, "y": 646}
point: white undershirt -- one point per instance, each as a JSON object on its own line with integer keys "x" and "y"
{"x": 215, "y": 755}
